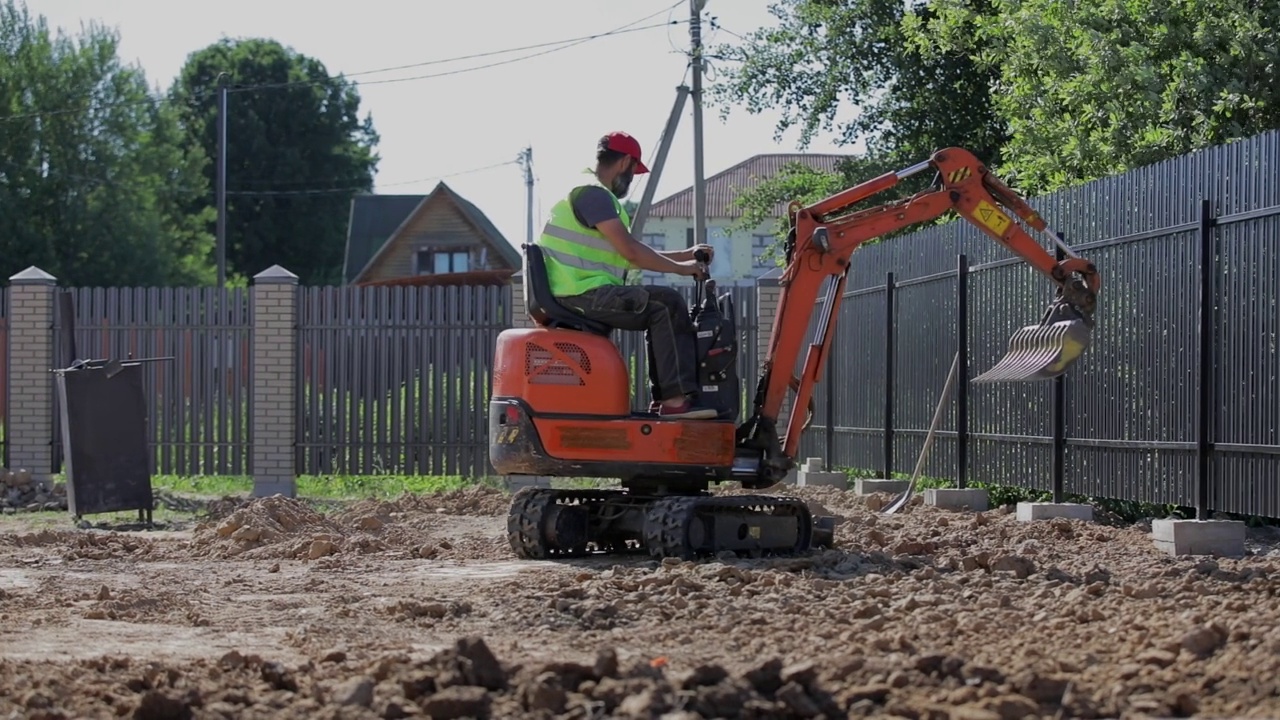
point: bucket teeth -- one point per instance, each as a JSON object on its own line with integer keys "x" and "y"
{"x": 1040, "y": 352}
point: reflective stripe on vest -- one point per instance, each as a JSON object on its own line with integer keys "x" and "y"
{"x": 580, "y": 258}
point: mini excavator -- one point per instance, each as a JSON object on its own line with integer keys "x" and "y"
{"x": 561, "y": 402}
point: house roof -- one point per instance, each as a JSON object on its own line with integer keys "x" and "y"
{"x": 376, "y": 219}
{"x": 724, "y": 187}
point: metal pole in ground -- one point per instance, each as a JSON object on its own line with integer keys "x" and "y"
{"x": 928, "y": 440}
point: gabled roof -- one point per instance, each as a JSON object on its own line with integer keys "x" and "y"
{"x": 725, "y": 186}
{"x": 377, "y": 219}
{"x": 373, "y": 219}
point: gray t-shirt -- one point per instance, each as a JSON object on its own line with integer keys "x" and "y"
{"x": 592, "y": 205}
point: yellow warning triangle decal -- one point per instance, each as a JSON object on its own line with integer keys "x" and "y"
{"x": 985, "y": 213}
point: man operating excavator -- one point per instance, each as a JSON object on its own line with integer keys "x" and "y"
{"x": 588, "y": 249}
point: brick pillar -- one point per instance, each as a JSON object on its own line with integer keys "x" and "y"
{"x": 31, "y": 385}
{"x": 519, "y": 315}
{"x": 768, "y": 292}
{"x": 275, "y": 346}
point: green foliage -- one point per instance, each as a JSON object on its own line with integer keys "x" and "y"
{"x": 95, "y": 180}
{"x": 824, "y": 57}
{"x": 297, "y": 152}
{"x": 1091, "y": 89}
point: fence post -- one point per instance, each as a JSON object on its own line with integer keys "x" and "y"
{"x": 1059, "y": 425}
{"x": 31, "y": 388}
{"x": 274, "y": 304}
{"x": 831, "y": 398}
{"x": 519, "y": 316}
{"x": 962, "y": 384}
{"x": 888, "y": 375}
{"x": 768, "y": 293}
{"x": 1204, "y": 425}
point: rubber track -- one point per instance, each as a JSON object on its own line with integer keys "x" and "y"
{"x": 667, "y": 521}
{"x": 527, "y": 518}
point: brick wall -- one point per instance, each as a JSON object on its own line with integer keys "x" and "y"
{"x": 275, "y": 310}
{"x": 31, "y": 385}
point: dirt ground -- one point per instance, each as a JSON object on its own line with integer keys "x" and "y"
{"x": 416, "y": 608}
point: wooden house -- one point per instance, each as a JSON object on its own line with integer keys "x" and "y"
{"x": 435, "y": 239}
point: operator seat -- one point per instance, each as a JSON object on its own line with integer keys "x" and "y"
{"x": 543, "y": 307}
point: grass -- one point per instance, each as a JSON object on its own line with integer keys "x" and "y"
{"x": 332, "y": 487}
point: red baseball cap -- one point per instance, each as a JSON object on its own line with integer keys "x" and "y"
{"x": 624, "y": 143}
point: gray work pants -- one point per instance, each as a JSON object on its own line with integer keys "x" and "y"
{"x": 664, "y": 316}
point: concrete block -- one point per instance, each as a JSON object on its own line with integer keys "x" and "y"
{"x": 515, "y": 483}
{"x": 268, "y": 487}
{"x": 1199, "y": 537}
{"x": 867, "y": 486}
{"x": 957, "y": 499}
{"x": 823, "y": 479}
{"x": 1028, "y": 511}
{"x": 813, "y": 465}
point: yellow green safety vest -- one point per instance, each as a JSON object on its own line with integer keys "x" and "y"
{"x": 580, "y": 258}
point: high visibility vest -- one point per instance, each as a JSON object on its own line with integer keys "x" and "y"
{"x": 580, "y": 258}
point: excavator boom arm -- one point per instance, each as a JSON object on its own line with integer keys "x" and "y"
{"x": 824, "y": 235}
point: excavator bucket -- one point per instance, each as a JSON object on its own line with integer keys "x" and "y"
{"x": 1041, "y": 352}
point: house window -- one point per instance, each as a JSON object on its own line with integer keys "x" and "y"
{"x": 759, "y": 245}
{"x": 657, "y": 241}
{"x": 442, "y": 261}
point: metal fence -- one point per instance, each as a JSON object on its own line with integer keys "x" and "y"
{"x": 4, "y": 375}
{"x": 1176, "y": 402}
{"x": 198, "y": 402}
{"x": 396, "y": 379}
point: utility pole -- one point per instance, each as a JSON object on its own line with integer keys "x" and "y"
{"x": 221, "y": 189}
{"x": 526, "y": 162}
{"x": 699, "y": 180}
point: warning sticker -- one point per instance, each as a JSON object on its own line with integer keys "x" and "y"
{"x": 991, "y": 217}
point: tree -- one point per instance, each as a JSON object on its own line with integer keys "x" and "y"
{"x": 826, "y": 56}
{"x": 297, "y": 151}
{"x": 1091, "y": 89}
{"x": 93, "y": 174}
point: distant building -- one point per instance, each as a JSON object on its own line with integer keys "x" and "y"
{"x": 435, "y": 239}
{"x": 670, "y": 223}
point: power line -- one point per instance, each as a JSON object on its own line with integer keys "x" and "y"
{"x": 620, "y": 30}
{"x": 331, "y": 191}
{"x": 560, "y": 45}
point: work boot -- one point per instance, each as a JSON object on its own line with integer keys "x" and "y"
{"x": 685, "y": 411}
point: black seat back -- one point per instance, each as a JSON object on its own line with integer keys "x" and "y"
{"x": 543, "y": 306}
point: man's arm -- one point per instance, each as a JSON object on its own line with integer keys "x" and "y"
{"x": 594, "y": 208}
{"x": 642, "y": 256}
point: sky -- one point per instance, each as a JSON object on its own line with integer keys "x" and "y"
{"x": 439, "y": 128}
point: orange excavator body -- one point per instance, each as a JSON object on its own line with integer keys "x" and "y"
{"x": 561, "y": 404}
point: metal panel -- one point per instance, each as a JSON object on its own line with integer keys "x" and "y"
{"x": 4, "y": 375}
{"x": 197, "y": 422}
{"x": 1246, "y": 411}
{"x": 396, "y": 379}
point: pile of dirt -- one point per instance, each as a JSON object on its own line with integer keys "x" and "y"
{"x": 284, "y": 528}
{"x": 87, "y": 544}
{"x": 270, "y": 527}
{"x": 473, "y": 501}
{"x": 466, "y": 680}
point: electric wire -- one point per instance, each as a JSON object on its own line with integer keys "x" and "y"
{"x": 202, "y": 95}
